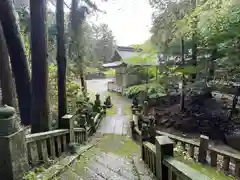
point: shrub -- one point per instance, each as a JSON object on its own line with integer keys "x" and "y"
{"x": 153, "y": 90}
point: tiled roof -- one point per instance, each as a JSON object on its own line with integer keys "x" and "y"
{"x": 131, "y": 56}
{"x": 113, "y": 64}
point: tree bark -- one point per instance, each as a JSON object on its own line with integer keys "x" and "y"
{"x": 18, "y": 58}
{"x": 211, "y": 65}
{"x": 40, "y": 101}
{"x": 194, "y": 55}
{"x": 77, "y": 19}
{"x": 61, "y": 61}
{"x": 194, "y": 42}
{"x": 6, "y": 78}
{"x": 183, "y": 77}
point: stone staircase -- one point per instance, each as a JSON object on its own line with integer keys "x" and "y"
{"x": 111, "y": 157}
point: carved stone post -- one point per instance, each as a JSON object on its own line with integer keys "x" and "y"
{"x": 152, "y": 129}
{"x": 14, "y": 159}
{"x": 132, "y": 125}
{"x": 144, "y": 137}
{"x": 68, "y": 122}
{"x": 97, "y": 104}
{"x": 202, "y": 154}
{"x": 164, "y": 147}
{"x": 145, "y": 108}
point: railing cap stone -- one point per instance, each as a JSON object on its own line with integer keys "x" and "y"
{"x": 163, "y": 140}
{"x": 67, "y": 116}
{"x": 6, "y": 111}
{"x": 204, "y": 137}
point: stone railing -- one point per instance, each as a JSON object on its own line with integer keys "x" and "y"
{"x": 200, "y": 150}
{"x": 46, "y": 145}
{"x": 20, "y": 151}
{"x": 80, "y": 135}
{"x": 203, "y": 153}
{"x": 164, "y": 166}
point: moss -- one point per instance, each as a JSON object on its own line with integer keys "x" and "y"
{"x": 110, "y": 73}
{"x": 111, "y": 111}
{"x": 127, "y": 109}
{"x": 119, "y": 145}
{"x": 108, "y": 143}
{"x": 205, "y": 169}
{"x": 182, "y": 156}
{"x": 32, "y": 175}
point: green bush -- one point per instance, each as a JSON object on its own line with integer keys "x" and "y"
{"x": 153, "y": 90}
{"x": 110, "y": 73}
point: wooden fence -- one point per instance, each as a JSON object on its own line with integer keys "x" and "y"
{"x": 200, "y": 150}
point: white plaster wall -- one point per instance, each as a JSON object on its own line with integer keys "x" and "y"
{"x": 130, "y": 79}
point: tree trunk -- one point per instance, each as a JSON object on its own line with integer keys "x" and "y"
{"x": 81, "y": 73}
{"x": 40, "y": 101}
{"x": 18, "y": 58}
{"x": 211, "y": 66}
{"x": 76, "y": 26}
{"x": 194, "y": 55}
{"x": 183, "y": 78}
{"x": 61, "y": 61}
{"x": 194, "y": 42}
{"x": 6, "y": 78}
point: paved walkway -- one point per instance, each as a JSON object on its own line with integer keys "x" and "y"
{"x": 112, "y": 158}
{"x": 119, "y": 122}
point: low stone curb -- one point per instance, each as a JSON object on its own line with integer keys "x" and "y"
{"x": 63, "y": 164}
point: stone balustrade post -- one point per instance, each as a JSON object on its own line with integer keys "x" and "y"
{"x": 14, "y": 159}
{"x": 202, "y": 154}
{"x": 144, "y": 137}
{"x": 68, "y": 122}
{"x": 145, "y": 108}
{"x": 132, "y": 126}
{"x": 152, "y": 129}
{"x": 164, "y": 147}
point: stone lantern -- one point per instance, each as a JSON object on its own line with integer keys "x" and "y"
{"x": 14, "y": 160}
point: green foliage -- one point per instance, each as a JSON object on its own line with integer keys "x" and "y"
{"x": 213, "y": 24}
{"x": 32, "y": 175}
{"x": 72, "y": 89}
{"x": 110, "y": 73}
{"x": 153, "y": 90}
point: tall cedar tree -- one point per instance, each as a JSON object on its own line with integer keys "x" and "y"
{"x": 61, "y": 61}
{"x": 194, "y": 42}
{"x": 77, "y": 19}
{"x": 183, "y": 77}
{"x": 18, "y": 58}
{"x": 6, "y": 78}
{"x": 40, "y": 101}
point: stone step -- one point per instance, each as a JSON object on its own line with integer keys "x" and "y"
{"x": 69, "y": 174}
{"x": 143, "y": 171}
